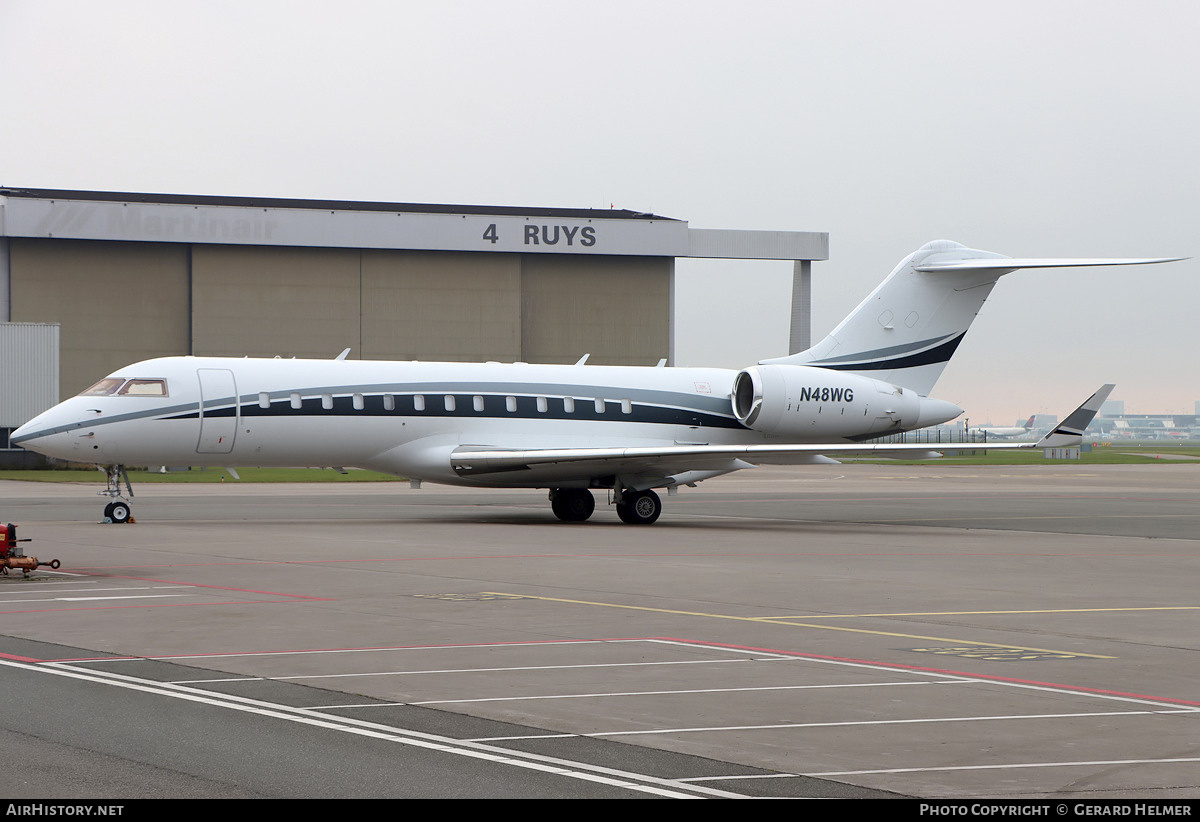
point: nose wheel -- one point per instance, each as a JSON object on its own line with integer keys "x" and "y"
{"x": 117, "y": 512}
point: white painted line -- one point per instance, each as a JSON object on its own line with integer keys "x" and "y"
{"x": 358, "y": 705}
{"x": 515, "y": 668}
{"x": 671, "y": 693}
{"x": 51, "y": 582}
{"x": 1014, "y": 766}
{"x": 136, "y": 596}
{"x": 875, "y": 722}
{"x": 86, "y": 599}
{"x": 92, "y": 587}
{"x": 728, "y": 777}
{"x": 242, "y": 654}
{"x": 530, "y": 736}
{"x": 643, "y": 783}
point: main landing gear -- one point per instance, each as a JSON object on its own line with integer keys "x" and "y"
{"x": 117, "y": 511}
{"x": 638, "y": 507}
{"x": 572, "y": 504}
{"x": 633, "y": 507}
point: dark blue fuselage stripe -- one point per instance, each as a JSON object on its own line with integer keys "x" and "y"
{"x": 494, "y": 407}
{"x": 935, "y": 355}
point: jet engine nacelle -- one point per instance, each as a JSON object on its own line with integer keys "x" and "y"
{"x": 803, "y": 401}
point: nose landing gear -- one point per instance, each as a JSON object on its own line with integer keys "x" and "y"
{"x": 117, "y": 511}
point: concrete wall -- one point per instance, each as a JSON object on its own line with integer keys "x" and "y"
{"x": 120, "y": 302}
{"x": 116, "y": 303}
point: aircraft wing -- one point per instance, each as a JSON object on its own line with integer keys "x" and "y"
{"x": 668, "y": 460}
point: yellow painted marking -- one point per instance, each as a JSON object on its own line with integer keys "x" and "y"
{"x": 775, "y": 621}
{"x": 1002, "y": 653}
{"x": 976, "y": 613}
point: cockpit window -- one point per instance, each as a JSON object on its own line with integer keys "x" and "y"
{"x": 144, "y": 388}
{"x": 106, "y": 386}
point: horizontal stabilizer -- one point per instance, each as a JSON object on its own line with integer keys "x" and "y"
{"x": 1014, "y": 263}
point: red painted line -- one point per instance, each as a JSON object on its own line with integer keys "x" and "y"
{"x": 16, "y": 658}
{"x": 924, "y": 669}
{"x": 680, "y": 640}
{"x": 102, "y": 571}
{"x": 350, "y": 560}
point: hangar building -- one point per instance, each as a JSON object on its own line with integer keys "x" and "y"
{"x": 105, "y": 279}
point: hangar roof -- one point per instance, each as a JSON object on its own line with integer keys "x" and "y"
{"x": 177, "y": 218}
{"x": 324, "y": 205}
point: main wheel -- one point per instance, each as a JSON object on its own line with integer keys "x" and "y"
{"x": 639, "y": 508}
{"x": 572, "y": 504}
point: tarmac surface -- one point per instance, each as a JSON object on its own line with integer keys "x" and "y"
{"x": 826, "y": 631}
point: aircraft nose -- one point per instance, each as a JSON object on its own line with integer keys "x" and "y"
{"x": 40, "y": 434}
{"x": 935, "y": 412}
{"x": 29, "y": 436}
{"x": 25, "y": 433}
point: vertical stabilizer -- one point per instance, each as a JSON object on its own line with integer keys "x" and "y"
{"x": 908, "y": 328}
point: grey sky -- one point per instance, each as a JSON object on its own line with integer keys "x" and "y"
{"x": 1026, "y": 128}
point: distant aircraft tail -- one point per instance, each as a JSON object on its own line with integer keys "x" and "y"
{"x": 908, "y": 328}
{"x": 1029, "y": 422}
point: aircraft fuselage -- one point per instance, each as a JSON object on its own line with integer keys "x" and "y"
{"x": 407, "y": 418}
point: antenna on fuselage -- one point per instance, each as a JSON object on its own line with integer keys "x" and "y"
{"x": 342, "y": 356}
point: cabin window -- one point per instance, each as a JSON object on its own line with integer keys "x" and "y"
{"x": 477, "y": 402}
{"x": 626, "y": 407}
{"x": 327, "y": 401}
{"x": 542, "y": 405}
{"x": 510, "y": 404}
{"x": 599, "y": 405}
{"x": 569, "y": 405}
{"x": 297, "y": 403}
{"x": 389, "y": 402}
{"x": 419, "y": 402}
{"x": 449, "y": 402}
{"x": 264, "y": 399}
{"x": 358, "y": 402}
{"x": 106, "y": 386}
{"x": 144, "y": 388}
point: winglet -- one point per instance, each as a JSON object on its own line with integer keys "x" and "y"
{"x": 1069, "y": 432}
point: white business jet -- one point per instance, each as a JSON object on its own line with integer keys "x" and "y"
{"x": 1005, "y": 433}
{"x": 566, "y": 428}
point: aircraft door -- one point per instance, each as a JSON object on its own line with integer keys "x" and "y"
{"x": 218, "y": 425}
